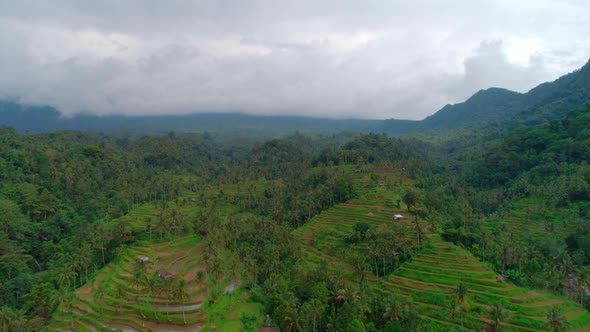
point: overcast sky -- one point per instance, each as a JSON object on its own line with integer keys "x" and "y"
{"x": 340, "y": 59}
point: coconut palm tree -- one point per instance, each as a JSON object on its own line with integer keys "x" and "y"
{"x": 460, "y": 293}
{"x": 582, "y": 283}
{"x": 66, "y": 300}
{"x": 486, "y": 239}
{"x": 555, "y": 320}
{"x": 99, "y": 294}
{"x": 120, "y": 293}
{"x": 84, "y": 258}
{"x": 411, "y": 320}
{"x": 460, "y": 302}
{"x": 455, "y": 310}
{"x": 317, "y": 310}
{"x": 7, "y": 315}
{"x": 180, "y": 294}
{"x": 497, "y": 314}
{"x": 392, "y": 310}
{"x": 66, "y": 273}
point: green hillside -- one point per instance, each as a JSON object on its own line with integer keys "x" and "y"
{"x": 429, "y": 278}
{"x": 484, "y": 107}
{"x": 128, "y": 294}
{"x": 501, "y": 110}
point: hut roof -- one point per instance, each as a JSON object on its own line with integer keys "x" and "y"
{"x": 165, "y": 274}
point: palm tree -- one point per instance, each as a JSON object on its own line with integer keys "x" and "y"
{"x": 180, "y": 294}
{"x": 66, "y": 300}
{"x": 20, "y": 322}
{"x": 486, "y": 240}
{"x": 99, "y": 294}
{"x": 152, "y": 285}
{"x": 460, "y": 293}
{"x": 450, "y": 307}
{"x": 413, "y": 321}
{"x": 392, "y": 310}
{"x": 555, "y": 320}
{"x": 582, "y": 283}
{"x": 566, "y": 263}
{"x": 66, "y": 273}
{"x": 498, "y": 314}
{"x": 461, "y": 304}
{"x": 7, "y": 315}
{"x": 84, "y": 258}
{"x": 120, "y": 293}
{"x": 505, "y": 254}
{"x": 455, "y": 311}
{"x": 418, "y": 229}
{"x": 292, "y": 324}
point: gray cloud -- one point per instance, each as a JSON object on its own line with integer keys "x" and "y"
{"x": 365, "y": 59}
{"x": 490, "y": 68}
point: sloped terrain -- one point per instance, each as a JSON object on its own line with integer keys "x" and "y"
{"x": 429, "y": 279}
{"x": 532, "y": 218}
{"x": 432, "y": 276}
{"x": 171, "y": 292}
{"x": 162, "y": 283}
{"x": 323, "y": 238}
{"x": 118, "y": 298}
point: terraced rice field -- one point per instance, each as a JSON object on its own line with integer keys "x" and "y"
{"x": 530, "y": 217}
{"x": 322, "y": 238}
{"x": 115, "y": 301}
{"x": 428, "y": 281}
{"x": 137, "y": 218}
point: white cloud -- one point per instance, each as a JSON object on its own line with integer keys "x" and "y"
{"x": 368, "y": 59}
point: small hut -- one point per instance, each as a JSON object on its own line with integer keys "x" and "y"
{"x": 144, "y": 259}
{"x": 398, "y": 217}
{"x": 268, "y": 329}
{"x": 500, "y": 278}
{"x": 165, "y": 275}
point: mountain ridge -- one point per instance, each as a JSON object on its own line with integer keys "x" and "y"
{"x": 492, "y": 106}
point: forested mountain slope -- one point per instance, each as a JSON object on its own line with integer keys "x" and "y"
{"x": 529, "y": 197}
{"x": 37, "y": 119}
{"x": 508, "y": 109}
{"x": 482, "y": 108}
{"x": 536, "y": 156}
{"x": 496, "y": 109}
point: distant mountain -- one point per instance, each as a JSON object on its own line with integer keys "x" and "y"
{"x": 483, "y": 107}
{"x": 548, "y": 101}
{"x": 47, "y": 119}
{"x": 493, "y": 107}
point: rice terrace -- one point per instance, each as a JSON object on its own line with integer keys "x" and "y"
{"x": 165, "y": 284}
{"x": 294, "y": 166}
